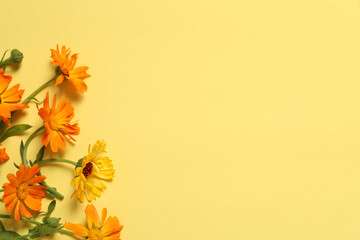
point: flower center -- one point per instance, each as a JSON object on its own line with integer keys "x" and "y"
{"x": 22, "y": 191}
{"x": 65, "y": 72}
{"x": 95, "y": 234}
{"x": 53, "y": 122}
{"x": 87, "y": 169}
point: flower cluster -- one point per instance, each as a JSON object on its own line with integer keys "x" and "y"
{"x": 24, "y": 191}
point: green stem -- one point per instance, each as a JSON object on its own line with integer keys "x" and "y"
{"x": 22, "y": 218}
{"x": 56, "y": 160}
{"x": 38, "y": 224}
{"x": 39, "y": 89}
{"x": 66, "y": 232}
{"x": 27, "y": 144}
{"x": 53, "y": 190}
{"x": 5, "y": 63}
{"x": 1, "y": 190}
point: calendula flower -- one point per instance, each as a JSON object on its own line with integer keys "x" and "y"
{"x": 57, "y": 122}
{"x": 94, "y": 167}
{"x": 66, "y": 63}
{"x": 9, "y": 98}
{"x": 21, "y": 195}
{"x": 3, "y": 155}
{"x": 97, "y": 229}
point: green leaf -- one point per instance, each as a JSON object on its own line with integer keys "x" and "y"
{"x": 14, "y": 130}
{"x": 2, "y": 228}
{"x": 7, "y": 235}
{"x": 40, "y": 154}
{"x": 3, "y": 126}
{"x": 41, "y": 230}
{"x": 51, "y": 208}
{"x": 34, "y": 98}
{"x": 37, "y": 214}
{"x": 17, "y": 166}
{"x": 22, "y": 149}
{"x": 79, "y": 162}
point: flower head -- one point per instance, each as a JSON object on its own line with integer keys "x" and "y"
{"x": 57, "y": 122}
{"x": 3, "y": 155}
{"x": 97, "y": 229}
{"x": 9, "y": 98}
{"x": 66, "y": 63}
{"x": 16, "y": 56}
{"x": 21, "y": 196}
{"x": 94, "y": 167}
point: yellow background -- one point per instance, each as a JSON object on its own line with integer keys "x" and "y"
{"x": 224, "y": 119}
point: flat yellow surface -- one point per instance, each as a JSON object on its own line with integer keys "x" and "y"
{"x": 224, "y": 119}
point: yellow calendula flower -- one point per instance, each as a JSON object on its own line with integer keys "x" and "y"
{"x": 95, "y": 167}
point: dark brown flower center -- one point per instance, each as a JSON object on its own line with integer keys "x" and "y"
{"x": 66, "y": 73}
{"x": 87, "y": 169}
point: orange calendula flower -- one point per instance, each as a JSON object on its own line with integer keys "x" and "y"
{"x": 9, "y": 98}
{"x": 57, "y": 122}
{"x": 66, "y": 63}
{"x": 3, "y": 155}
{"x": 95, "y": 167}
{"x": 21, "y": 196}
{"x": 97, "y": 229}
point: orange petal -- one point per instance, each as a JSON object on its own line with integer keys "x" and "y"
{"x": 77, "y": 229}
{"x": 4, "y": 111}
{"x": 111, "y": 226}
{"x": 59, "y": 80}
{"x": 54, "y": 141}
{"x": 92, "y": 216}
{"x": 46, "y": 137}
{"x": 30, "y": 174}
{"x": 11, "y": 205}
{"x": 4, "y": 81}
{"x": 46, "y": 101}
{"x": 54, "y": 102}
{"x": 20, "y": 173}
{"x": 9, "y": 189}
{"x": 103, "y": 216}
{"x": 113, "y": 237}
{"x": 9, "y": 198}
{"x": 17, "y": 212}
{"x": 12, "y": 179}
{"x": 37, "y": 179}
{"x": 3, "y": 155}
{"x": 14, "y": 107}
{"x": 33, "y": 203}
{"x": 36, "y": 193}
{"x": 24, "y": 212}
{"x": 12, "y": 92}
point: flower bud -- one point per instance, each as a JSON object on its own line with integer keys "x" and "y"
{"x": 16, "y": 56}
{"x": 51, "y": 222}
{"x": 58, "y": 71}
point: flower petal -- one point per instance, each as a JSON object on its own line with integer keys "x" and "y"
{"x": 77, "y": 229}
{"x": 33, "y": 203}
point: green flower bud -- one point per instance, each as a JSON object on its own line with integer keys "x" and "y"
{"x": 52, "y": 222}
{"x": 16, "y": 56}
{"x": 58, "y": 71}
